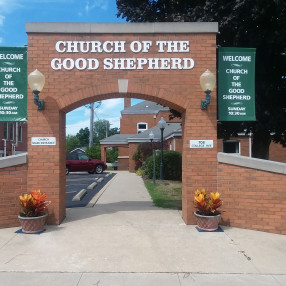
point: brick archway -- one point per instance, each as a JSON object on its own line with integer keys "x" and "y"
{"x": 66, "y": 89}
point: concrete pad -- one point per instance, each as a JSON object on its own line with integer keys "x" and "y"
{"x": 281, "y": 279}
{"x": 100, "y": 180}
{"x": 188, "y": 279}
{"x": 266, "y": 251}
{"x": 129, "y": 279}
{"x": 43, "y": 279}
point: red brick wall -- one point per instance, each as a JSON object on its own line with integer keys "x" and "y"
{"x": 252, "y": 199}
{"x": 12, "y": 184}
{"x": 277, "y": 152}
{"x": 175, "y": 146}
{"x": 132, "y": 150}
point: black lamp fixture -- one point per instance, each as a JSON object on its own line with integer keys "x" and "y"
{"x": 162, "y": 125}
{"x": 151, "y": 137}
{"x": 36, "y": 81}
{"x": 207, "y": 81}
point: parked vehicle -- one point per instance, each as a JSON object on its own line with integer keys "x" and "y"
{"x": 79, "y": 162}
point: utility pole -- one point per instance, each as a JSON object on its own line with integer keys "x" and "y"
{"x": 91, "y": 106}
{"x": 106, "y": 129}
{"x": 91, "y": 125}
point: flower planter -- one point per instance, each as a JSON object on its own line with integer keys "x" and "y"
{"x": 33, "y": 224}
{"x": 207, "y": 223}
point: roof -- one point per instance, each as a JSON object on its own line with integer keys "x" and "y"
{"x": 118, "y": 139}
{"x": 173, "y": 129}
{"x": 145, "y": 107}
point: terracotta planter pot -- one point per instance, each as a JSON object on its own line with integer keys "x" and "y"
{"x": 33, "y": 224}
{"x": 207, "y": 223}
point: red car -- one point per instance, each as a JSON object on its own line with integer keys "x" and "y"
{"x": 79, "y": 162}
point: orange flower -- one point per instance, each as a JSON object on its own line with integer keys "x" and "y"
{"x": 214, "y": 196}
{"x": 207, "y": 205}
{"x": 33, "y": 204}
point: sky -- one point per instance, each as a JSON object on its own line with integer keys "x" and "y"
{"x": 15, "y": 13}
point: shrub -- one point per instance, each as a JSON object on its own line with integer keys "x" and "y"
{"x": 172, "y": 166}
{"x": 94, "y": 151}
{"x": 140, "y": 172}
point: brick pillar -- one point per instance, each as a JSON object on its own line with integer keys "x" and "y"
{"x": 199, "y": 165}
{"x": 127, "y": 102}
{"x": 132, "y": 150}
{"x": 103, "y": 153}
{"x": 46, "y": 164}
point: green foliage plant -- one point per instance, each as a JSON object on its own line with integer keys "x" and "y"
{"x": 172, "y": 161}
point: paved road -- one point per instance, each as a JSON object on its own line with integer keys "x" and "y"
{"x": 81, "y": 187}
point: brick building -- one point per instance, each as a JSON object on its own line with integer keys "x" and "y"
{"x": 136, "y": 123}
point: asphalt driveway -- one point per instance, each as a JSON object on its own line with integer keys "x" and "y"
{"x": 81, "y": 187}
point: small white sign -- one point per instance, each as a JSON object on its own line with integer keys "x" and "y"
{"x": 40, "y": 141}
{"x": 201, "y": 143}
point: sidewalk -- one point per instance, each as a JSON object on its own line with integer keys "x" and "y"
{"x": 124, "y": 240}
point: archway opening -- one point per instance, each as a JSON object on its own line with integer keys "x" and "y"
{"x": 133, "y": 139}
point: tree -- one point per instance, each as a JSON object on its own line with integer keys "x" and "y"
{"x": 94, "y": 151}
{"x": 83, "y": 136}
{"x": 72, "y": 142}
{"x": 257, "y": 24}
{"x": 113, "y": 131}
{"x": 111, "y": 154}
{"x": 102, "y": 130}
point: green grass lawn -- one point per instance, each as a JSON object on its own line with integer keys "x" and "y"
{"x": 166, "y": 194}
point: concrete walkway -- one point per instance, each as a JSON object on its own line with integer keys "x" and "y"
{"x": 124, "y": 240}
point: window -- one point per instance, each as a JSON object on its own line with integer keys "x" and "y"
{"x": 231, "y": 146}
{"x": 72, "y": 156}
{"x": 141, "y": 126}
{"x": 20, "y": 133}
{"x": 5, "y": 130}
{"x": 11, "y": 131}
{"x": 83, "y": 157}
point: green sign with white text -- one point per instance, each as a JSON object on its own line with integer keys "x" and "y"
{"x": 13, "y": 83}
{"x": 236, "y": 84}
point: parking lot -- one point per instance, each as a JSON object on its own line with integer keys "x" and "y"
{"x": 81, "y": 187}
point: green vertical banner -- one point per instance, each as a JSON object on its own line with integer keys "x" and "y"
{"x": 13, "y": 83}
{"x": 236, "y": 84}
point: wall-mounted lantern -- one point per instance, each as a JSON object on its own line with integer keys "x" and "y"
{"x": 36, "y": 81}
{"x": 207, "y": 81}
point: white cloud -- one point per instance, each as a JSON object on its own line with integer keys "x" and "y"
{"x": 111, "y": 103}
{"x": 2, "y": 19}
{"x": 7, "y": 6}
{"x": 86, "y": 112}
{"x": 108, "y": 110}
{"x": 73, "y": 129}
{"x": 94, "y": 4}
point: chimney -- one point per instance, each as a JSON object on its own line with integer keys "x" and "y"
{"x": 127, "y": 102}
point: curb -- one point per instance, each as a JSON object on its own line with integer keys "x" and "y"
{"x": 79, "y": 195}
{"x": 94, "y": 200}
